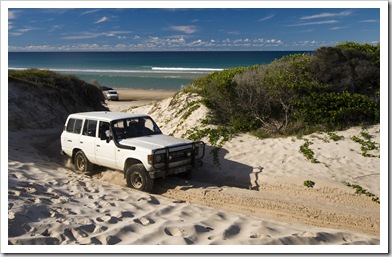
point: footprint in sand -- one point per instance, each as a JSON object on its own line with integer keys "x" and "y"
{"x": 233, "y": 230}
{"x": 112, "y": 240}
{"x": 174, "y": 231}
{"x": 108, "y": 219}
{"x": 144, "y": 221}
{"x": 152, "y": 200}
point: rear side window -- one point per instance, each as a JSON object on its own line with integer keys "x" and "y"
{"x": 74, "y": 125}
{"x": 90, "y": 128}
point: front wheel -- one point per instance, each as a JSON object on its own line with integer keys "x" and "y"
{"x": 138, "y": 178}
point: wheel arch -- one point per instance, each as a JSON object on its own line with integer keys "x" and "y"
{"x": 74, "y": 151}
{"x": 129, "y": 162}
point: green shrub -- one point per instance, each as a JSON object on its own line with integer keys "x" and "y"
{"x": 309, "y": 183}
{"x": 337, "y": 110}
{"x": 332, "y": 89}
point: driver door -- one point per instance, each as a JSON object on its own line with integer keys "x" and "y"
{"x": 105, "y": 149}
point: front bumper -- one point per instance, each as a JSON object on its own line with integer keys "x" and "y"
{"x": 176, "y": 170}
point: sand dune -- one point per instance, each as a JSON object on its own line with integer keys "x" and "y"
{"x": 255, "y": 198}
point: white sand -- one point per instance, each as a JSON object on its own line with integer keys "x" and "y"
{"x": 50, "y": 204}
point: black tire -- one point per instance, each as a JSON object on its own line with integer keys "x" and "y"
{"x": 138, "y": 178}
{"x": 81, "y": 163}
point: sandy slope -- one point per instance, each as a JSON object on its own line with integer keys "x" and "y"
{"x": 50, "y": 204}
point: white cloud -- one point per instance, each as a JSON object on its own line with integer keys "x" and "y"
{"x": 103, "y": 19}
{"x": 90, "y": 11}
{"x": 369, "y": 21}
{"x": 314, "y": 23}
{"x": 185, "y": 29}
{"x": 266, "y": 18}
{"x": 327, "y": 15}
{"x": 20, "y": 32}
{"x": 338, "y": 28}
{"x": 84, "y": 35}
{"x": 12, "y": 14}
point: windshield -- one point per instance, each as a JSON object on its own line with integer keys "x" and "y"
{"x": 135, "y": 127}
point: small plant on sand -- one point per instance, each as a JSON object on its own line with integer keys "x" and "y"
{"x": 307, "y": 152}
{"x": 367, "y": 144}
{"x": 335, "y": 137}
{"x": 359, "y": 190}
{"x": 190, "y": 111}
{"x": 309, "y": 183}
{"x": 216, "y": 137}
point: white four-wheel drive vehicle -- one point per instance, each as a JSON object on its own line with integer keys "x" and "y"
{"x": 112, "y": 95}
{"x": 132, "y": 143}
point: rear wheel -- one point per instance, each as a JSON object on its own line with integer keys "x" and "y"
{"x": 82, "y": 164}
{"x": 138, "y": 178}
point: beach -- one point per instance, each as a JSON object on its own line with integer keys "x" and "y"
{"x": 137, "y": 97}
{"x": 255, "y": 197}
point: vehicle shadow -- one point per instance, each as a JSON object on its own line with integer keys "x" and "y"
{"x": 216, "y": 171}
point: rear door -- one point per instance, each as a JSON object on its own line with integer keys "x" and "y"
{"x": 87, "y": 139}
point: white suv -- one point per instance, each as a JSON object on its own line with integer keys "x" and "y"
{"x": 112, "y": 95}
{"x": 132, "y": 143}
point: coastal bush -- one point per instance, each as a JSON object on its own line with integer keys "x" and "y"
{"x": 53, "y": 97}
{"x": 331, "y": 89}
{"x": 348, "y": 67}
{"x": 218, "y": 90}
{"x": 337, "y": 110}
{"x": 71, "y": 86}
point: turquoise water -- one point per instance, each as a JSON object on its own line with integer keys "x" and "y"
{"x": 144, "y": 70}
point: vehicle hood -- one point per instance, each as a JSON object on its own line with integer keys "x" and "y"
{"x": 154, "y": 141}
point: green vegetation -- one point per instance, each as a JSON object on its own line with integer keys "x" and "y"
{"x": 307, "y": 152}
{"x": 334, "y": 136}
{"x": 367, "y": 144}
{"x": 332, "y": 89}
{"x": 359, "y": 190}
{"x": 309, "y": 183}
{"x": 53, "y": 94}
{"x": 70, "y": 88}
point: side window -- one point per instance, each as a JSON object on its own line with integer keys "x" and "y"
{"x": 74, "y": 125}
{"x": 104, "y": 130}
{"x": 78, "y": 126}
{"x": 90, "y": 128}
{"x": 148, "y": 124}
{"x": 70, "y": 125}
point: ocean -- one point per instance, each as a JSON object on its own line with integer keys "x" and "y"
{"x": 141, "y": 70}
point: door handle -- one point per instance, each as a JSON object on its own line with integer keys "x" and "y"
{"x": 69, "y": 140}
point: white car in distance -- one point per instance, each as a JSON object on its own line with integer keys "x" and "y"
{"x": 112, "y": 95}
{"x": 132, "y": 143}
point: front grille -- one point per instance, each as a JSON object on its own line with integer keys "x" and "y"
{"x": 185, "y": 154}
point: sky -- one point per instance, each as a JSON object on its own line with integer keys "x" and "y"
{"x": 179, "y": 29}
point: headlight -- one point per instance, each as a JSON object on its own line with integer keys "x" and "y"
{"x": 157, "y": 158}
